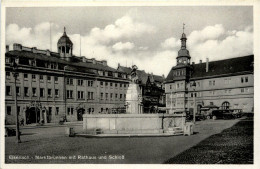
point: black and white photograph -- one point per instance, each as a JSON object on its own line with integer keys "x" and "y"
{"x": 128, "y": 84}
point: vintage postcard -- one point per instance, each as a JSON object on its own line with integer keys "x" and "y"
{"x": 129, "y": 83}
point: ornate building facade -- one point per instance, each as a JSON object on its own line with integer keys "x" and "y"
{"x": 52, "y": 85}
{"x": 226, "y": 84}
{"x": 152, "y": 89}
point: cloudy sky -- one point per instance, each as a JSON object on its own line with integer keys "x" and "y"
{"x": 145, "y": 36}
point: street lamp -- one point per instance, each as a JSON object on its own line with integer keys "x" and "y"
{"x": 194, "y": 113}
{"x": 14, "y": 65}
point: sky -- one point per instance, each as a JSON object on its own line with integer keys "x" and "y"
{"x": 148, "y": 37}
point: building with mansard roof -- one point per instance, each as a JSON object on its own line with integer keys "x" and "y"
{"x": 223, "y": 84}
{"x": 52, "y": 85}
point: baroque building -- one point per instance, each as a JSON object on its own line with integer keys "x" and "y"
{"x": 51, "y": 85}
{"x": 224, "y": 84}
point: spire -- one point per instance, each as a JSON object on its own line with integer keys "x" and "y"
{"x": 64, "y": 33}
{"x": 183, "y": 38}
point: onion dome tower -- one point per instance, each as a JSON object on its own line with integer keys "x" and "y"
{"x": 65, "y": 46}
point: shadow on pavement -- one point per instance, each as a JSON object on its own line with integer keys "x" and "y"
{"x": 232, "y": 146}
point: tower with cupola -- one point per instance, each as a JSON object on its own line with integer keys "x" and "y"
{"x": 65, "y": 46}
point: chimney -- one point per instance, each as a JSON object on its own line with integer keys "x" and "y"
{"x": 17, "y": 46}
{"x": 48, "y": 53}
{"x": 118, "y": 65}
{"x": 207, "y": 64}
{"x": 104, "y": 62}
{"x": 6, "y": 48}
{"x": 200, "y": 61}
{"x": 34, "y": 49}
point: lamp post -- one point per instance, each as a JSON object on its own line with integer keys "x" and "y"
{"x": 15, "y": 74}
{"x": 194, "y": 113}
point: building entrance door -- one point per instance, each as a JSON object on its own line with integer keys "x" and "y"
{"x": 80, "y": 113}
{"x": 32, "y": 115}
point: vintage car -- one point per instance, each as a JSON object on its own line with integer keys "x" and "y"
{"x": 222, "y": 114}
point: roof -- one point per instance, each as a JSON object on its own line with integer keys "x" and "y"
{"x": 220, "y": 67}
{"x": 64, "y": 39}
{"x": 55, "y": 58}
{"x": 142, "y": 75}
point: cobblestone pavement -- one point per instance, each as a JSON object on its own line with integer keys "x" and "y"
{"x": 52, "y": 146}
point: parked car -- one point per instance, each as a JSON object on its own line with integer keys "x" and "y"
{"x": 222, "y": 114}
{"x": 237, "y": 113}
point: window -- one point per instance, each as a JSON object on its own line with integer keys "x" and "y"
{"x": 111, "y": 96}
{"x": 211, "y": 103}
{"x": 18, "y": 93}
{"x": 50, "y": 110}
{"x": 242, "y": 80}
{"x": 41, "y": 92}
{"x": 69, "y": 94}
{"x": 49, "y": 78}
{"x": 56, "y": 92}
{"x": 213, "y": 82}
{"x": 34, "y": 91}
{"x": 225, "y": 105}
{"x": 56, "y": 79}
{"x": 116, "y": 95}
{"x": 106, "y": 84}
{"x": 124, "y": 96}
{"x": 70, "y": 111}
{"x": 80, "y": 82}
{"x": 7, "y": 75}
{"x": 8, "y": 91}
{"x": 7, "y": 60}
{"x": 34, "y": 77}
{"x": 80, "y": 94}
{"x": 111, "y": 84}
{"x": 115, "y": 84}
{"x": 170, "y": 86}
{"x": 178, "y": 85}
{"x": 18, "y": 110}
{"x": 92, "y": 95}
{"x": 120, "y": 96}
{"x": 90, "y": 83}
{"x": 49, "y": 93}
{"x": 8, "y": 110}
{"x": 124, "y": 85}
{"x": 26, "y": 91}
{"x": 106, "y": 96}
{"x": 69, "y": 81}
{"x": 57, "y": 111}
{"x": 246, "y": 79}
{"x": 242, "y": 90}
{"x": 120, "y": 84}
{"x": 101, "y": 96}
{"x": 25, "y": 76}
{"x": 101, "y": 83}
{"x": 41, "y": 77}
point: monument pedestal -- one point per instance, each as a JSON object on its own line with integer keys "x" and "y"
{"x": 133, "y": 99}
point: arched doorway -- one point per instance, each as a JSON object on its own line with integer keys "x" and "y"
{"x": 32, "y": 115}
{"x": 80, "y": 113}
{"x": 225, "y": 105}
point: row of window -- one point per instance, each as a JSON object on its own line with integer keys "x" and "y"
{"x": 111, "y": 84}
{"x": 213, "y": 82}
{"x": 34, "y": 92}
{"x": 111, "y": 96}
{"x": 199, "y": 94}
